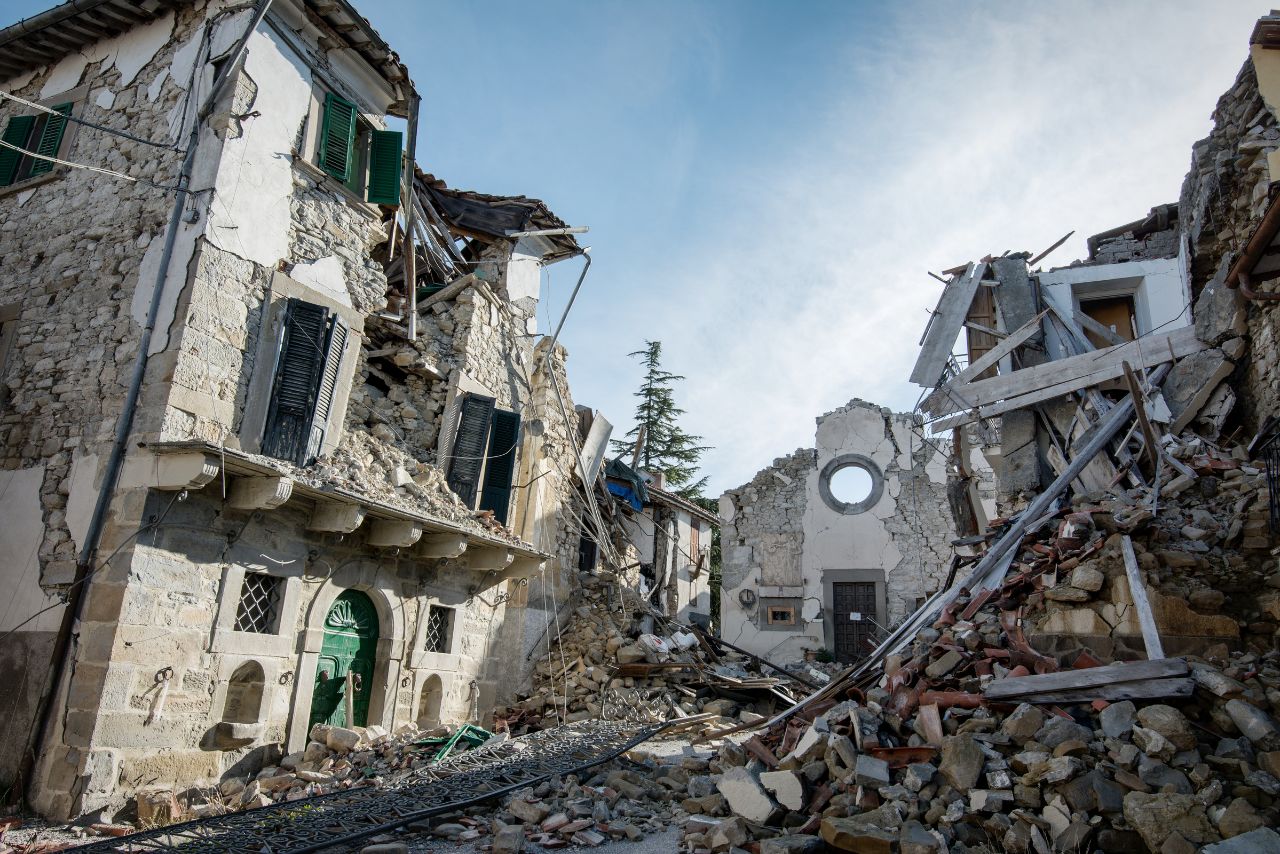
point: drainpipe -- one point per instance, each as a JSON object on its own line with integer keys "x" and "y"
{"x": 586, "y": 255}
{"x": 124, "y": 425}
{"x": 1253, "y": 252}
{"x": 1249, "y": 293}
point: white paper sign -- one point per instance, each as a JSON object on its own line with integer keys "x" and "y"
{"x": 855, "y": 617}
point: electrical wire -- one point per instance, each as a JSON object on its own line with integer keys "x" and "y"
{"x": 99, "y": 169}
{"x": 71, "y": 118}
{"x": 63, "y": 597}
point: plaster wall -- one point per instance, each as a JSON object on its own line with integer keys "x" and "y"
{"x": 783, "y": 542}
{"x": 1159, "y": 288}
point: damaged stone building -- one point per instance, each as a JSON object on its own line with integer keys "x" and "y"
{"x": 342, "y": 474}
{"x": 806, "y": 567}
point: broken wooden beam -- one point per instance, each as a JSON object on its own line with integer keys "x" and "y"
{"x": 944, "y": 327}
{"x": 1138, "y": 590}
{"x": 1090, "y": 678}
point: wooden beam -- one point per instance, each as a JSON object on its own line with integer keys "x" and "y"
{"x": 259, "y": 493}
{"x": 989, "y": 358}
{"x": 442, "y": 546}
{"x": 393, "y": 533}
{"x": 1062, "y": 376}
{"x": 1089, "y": 677}
{"x": 1138, "y": 590}
{"x": 1141, "y": 689}
{"x": 339, "y": 517}
{"x": 948, "y": 319}
{"x": 1150, "y": 447}
{"x": 1090, "y": 325}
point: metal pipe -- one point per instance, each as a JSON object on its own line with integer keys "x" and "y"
{"x": 124, "y": 425}
{"x": 586, "y": 253}
{"x": 411, "y": 256}
{"x": 1249, "y": 293}
{"x": 1256, "y": 247}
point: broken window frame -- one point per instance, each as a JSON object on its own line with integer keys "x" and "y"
{"x": 483, "y": 455}
{"x": 368, "y": 177}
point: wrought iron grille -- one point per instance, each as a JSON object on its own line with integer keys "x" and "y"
{"x": 339, "y": 820}
{"x": 259, "y": 601}
{"x": 439, "y": 628}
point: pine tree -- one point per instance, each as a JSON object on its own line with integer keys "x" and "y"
{"x": 667, "y": 448}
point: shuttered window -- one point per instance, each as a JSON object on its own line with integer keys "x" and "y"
{"x": 51, "y": 139}
{"x": 16, "y": 132}
{"x": 307, "y": 363}
{"x": 385, "y": 167}
{"x": 469, "y": 446}
{"x": 504, "y": 439}
{"x": 338, "y": 136}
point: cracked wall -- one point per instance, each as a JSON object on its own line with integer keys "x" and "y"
{"x": 784, "y": 543}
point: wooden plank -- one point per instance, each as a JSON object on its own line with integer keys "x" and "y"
{"x": 944, "y": 328}
{"x": 1138, "y": 590}
{"x": 1151, "y": 447}
{"x": 1091, "y": 677}
{"x": 1101, "y": 330}
{"x": 988, "y": 359}
{"x": 1073, "y": 373}
{"x": 1142, "y": 689}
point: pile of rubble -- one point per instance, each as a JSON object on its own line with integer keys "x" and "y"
{"x": 1001, "y": 724}
{"x": 606, "y": 660}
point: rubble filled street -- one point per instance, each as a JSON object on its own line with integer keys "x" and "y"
{"x": 308, "y": 542}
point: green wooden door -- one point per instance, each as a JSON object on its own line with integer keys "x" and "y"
{"x": 350, "y": 642}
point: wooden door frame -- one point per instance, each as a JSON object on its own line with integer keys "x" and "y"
{"x": 387, "y": 660}
{"x": 830, "y": 577}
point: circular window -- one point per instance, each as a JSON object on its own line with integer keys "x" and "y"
{"x": 851, "y": 484}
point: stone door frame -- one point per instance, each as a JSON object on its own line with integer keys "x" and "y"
{"x": 387, "y": 660}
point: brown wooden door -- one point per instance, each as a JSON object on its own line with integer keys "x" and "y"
{"x": 1114, "y": 312}
{"x": 854, "y": 611}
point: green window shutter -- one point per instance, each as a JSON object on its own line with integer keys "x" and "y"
{"x": 385, "y": 167}
{"x": 466, "y": 460}
{"x": 338, "y": 136}
{"x": 334, "y": 348}
{"x": 16, "y": 133}
{"x": 294, "y": 391}
{"x": 504, "y": 441}
{"x": 50, "y": 139}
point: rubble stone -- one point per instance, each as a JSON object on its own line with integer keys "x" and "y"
{"x": 745, "y": 796}
{"x": 962, "y": 761}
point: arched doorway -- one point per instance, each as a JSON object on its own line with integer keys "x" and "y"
{"x": 350, "y": 646}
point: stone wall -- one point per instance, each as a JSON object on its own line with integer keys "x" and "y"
{"x": 1224, "y": 197}
{"x": 786, "y": 541}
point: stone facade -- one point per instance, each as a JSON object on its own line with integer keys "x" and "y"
{"x": 172, "y": 678}
{"x": 794, "y": 552}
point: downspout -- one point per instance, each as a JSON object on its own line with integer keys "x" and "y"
{"x": 124, "y": 425}
{"x": 1253, "y": 252}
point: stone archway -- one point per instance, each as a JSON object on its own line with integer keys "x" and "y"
{"x": 363, "y": 577}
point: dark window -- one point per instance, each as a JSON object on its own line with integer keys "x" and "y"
{"x": 588, "y": 553}
{"x": 466, "y": 460}
{"x": 439, "y": 629}
{"x": 781, "y": 616}
{"x": 484, "y": 455}
{"x": 306, "y": 376}
{"x": 259, "y": 603}
{"x": 504, "y": 441}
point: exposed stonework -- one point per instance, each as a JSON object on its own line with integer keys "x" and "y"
{"x": 787, "y": 544}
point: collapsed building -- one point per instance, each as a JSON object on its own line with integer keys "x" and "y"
{"x": 281, "y": 444}
{"x": 804, "y": 569}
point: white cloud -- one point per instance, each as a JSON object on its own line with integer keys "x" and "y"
{"x": 966, "y": 130}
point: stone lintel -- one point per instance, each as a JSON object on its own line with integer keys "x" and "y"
{"x": 168, "y": 471}
{"x": 443, "y": 545}
{"x": 259, "y": 493}
{"x": 339, "y": 517}
{"x": 393, "y": 533}
{"x": 487, "y": 558}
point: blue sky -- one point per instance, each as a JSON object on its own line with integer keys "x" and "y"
{"x": 767, "y": 183}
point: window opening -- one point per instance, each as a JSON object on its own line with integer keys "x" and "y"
{"x": 259, "y": 603}
{"x": 781, "y": 615}
{"x": 439, "y": 628}
{"x": 851, "y": 484}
